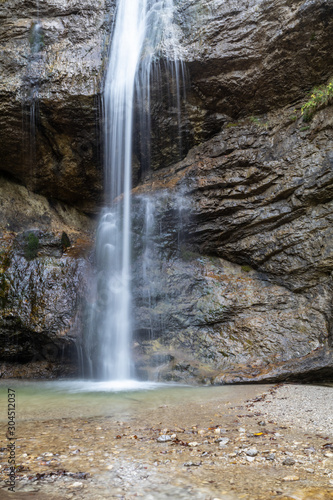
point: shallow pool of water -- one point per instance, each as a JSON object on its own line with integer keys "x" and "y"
{"x": 41, "y": 400}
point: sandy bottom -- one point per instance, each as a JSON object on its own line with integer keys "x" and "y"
{"x": 227, "y": 443}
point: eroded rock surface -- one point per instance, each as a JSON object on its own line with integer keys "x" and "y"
{"x": 258, "y": 194}
{"x": 43, "y": 273}
{"x": 243, "y": 57}
{"x": 232, "y": 245}
{"x": 52, "y": 65}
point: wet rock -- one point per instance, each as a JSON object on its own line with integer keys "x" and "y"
{"x": 209, "y": 211}
{"x": 54, "y": 82}
{"x": 245, "y": 57}
{"x": 41, "y": 285}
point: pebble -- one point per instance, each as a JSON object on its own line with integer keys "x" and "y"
{"x": 250, "y": 459}
{"x": 288, "y": 461}
{"x": 252, "y": 452}
{"x": 222, "y": 441}
{"x": 192, "y": 464}
{"x": 163, "y": 438}
{"x": 290, "y": 478}
{"x": 75, "y": 485}
{"x": 310, "y": 471}
{"x": 194, "y": 444}
{"x": 271, "y": 456}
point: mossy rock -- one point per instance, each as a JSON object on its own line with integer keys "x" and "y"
{"x": 31, "y": 247}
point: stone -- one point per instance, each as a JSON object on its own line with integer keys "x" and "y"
{"x": 251, "y": 452}
{"x": 163, "y": 438}
{"x": 75, "y": 485}
{"x": 288, "y": 461}
{"x": 290, "y": 478}
{"x": 222, "y": 441}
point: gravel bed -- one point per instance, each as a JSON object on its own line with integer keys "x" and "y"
{"x": 308, "y": 407}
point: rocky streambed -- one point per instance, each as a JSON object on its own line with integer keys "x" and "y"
{"x": 227, "y": 443}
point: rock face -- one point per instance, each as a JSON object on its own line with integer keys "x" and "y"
{"x": 243, "y": 57}
{"x": 43, "y": 276}
{"x": 232, "y": 246}
{"x": 259, "y": 195}
{"x": 52, "y": 65}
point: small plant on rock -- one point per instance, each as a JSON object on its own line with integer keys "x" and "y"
{"x": 320, "y": 97}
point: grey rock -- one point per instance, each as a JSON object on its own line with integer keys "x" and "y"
{"x": 288, "y": 461}
{"x": 251, "y": 452}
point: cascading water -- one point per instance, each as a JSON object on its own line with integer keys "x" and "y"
{"x": 139, "y": 29}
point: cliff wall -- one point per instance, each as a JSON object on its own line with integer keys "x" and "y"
{"x": 232, "y": 225}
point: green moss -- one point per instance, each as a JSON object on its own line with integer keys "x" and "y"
{"x": 303, "y": 129}
{"x": 230, "y": 125}
{"x": 4, "y": 260}
{"x": 31, "y": 247}
{"x": 187, "y": 255}
{"x": 246, "y": 268}
{"x": 4, "y": 289}
{"x": 258, "y": 122}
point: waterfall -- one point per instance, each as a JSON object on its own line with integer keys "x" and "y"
{"x": 140, "y": 27}
{"x": 30, "y": 110}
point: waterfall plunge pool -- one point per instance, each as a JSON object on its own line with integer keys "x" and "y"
{"x": 41, "y": 400}
{"x": 94, "y": 441}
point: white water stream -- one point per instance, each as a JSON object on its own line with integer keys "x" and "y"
{"x": 140, "y": 27}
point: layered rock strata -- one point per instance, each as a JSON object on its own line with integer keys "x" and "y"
{"x": 232, "y": 246}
